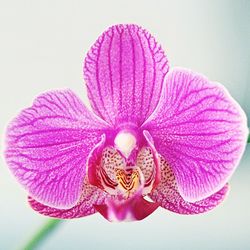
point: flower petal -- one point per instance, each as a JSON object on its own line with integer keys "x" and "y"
{"x": 124, "y": 72}
{"x": 167, "y": 195}
{"x": 201, "y": 132}
{"x": 89, "y": 197}
{"x": 135, "y": 208}
{"x": 48, "y": 145}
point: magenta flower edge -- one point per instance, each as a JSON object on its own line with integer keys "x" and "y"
{"x": 170, "y": 135}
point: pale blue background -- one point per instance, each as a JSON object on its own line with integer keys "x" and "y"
{"x": 42, "y": 46}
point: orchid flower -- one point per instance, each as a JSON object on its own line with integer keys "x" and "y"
{"x": 156, "y": 137}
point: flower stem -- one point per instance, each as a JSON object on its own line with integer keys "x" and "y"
{"x": 248, "y": 140}
{"x": 42, "y": 233}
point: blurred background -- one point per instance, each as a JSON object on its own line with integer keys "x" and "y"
{"x": 42, "y": 47}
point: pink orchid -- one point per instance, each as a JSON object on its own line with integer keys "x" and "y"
{"x": 172, "y": 136}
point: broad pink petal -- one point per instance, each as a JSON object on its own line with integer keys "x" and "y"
{"x": 201, "y": 132}
{"x": 124, "y": 72}
{"x": 48, "y": 145}
{"x": 135, "y": 208}
{"x": 90, "y": 196}
{"x": 167, "y": 195}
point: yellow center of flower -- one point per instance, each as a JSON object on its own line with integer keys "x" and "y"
{"x": 128, "y": 180}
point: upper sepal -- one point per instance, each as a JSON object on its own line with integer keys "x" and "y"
{"x": 125, "y": 71}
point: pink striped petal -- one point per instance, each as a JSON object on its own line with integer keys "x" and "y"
{"x": 48, "y": 145}
{"x": 89, "y": 197}
{"x": 201, "y": 132}
{"x": 167, "y": 195}
{"x": 124, "y": 71}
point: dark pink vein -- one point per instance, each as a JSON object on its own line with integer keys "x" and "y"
{"x": 110, "y": 68}
{"x": 144, "y": 76}
{"x": 120, "y": 72}
{"x": 133, "y": 66}
{"x": 152, "y": 87}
